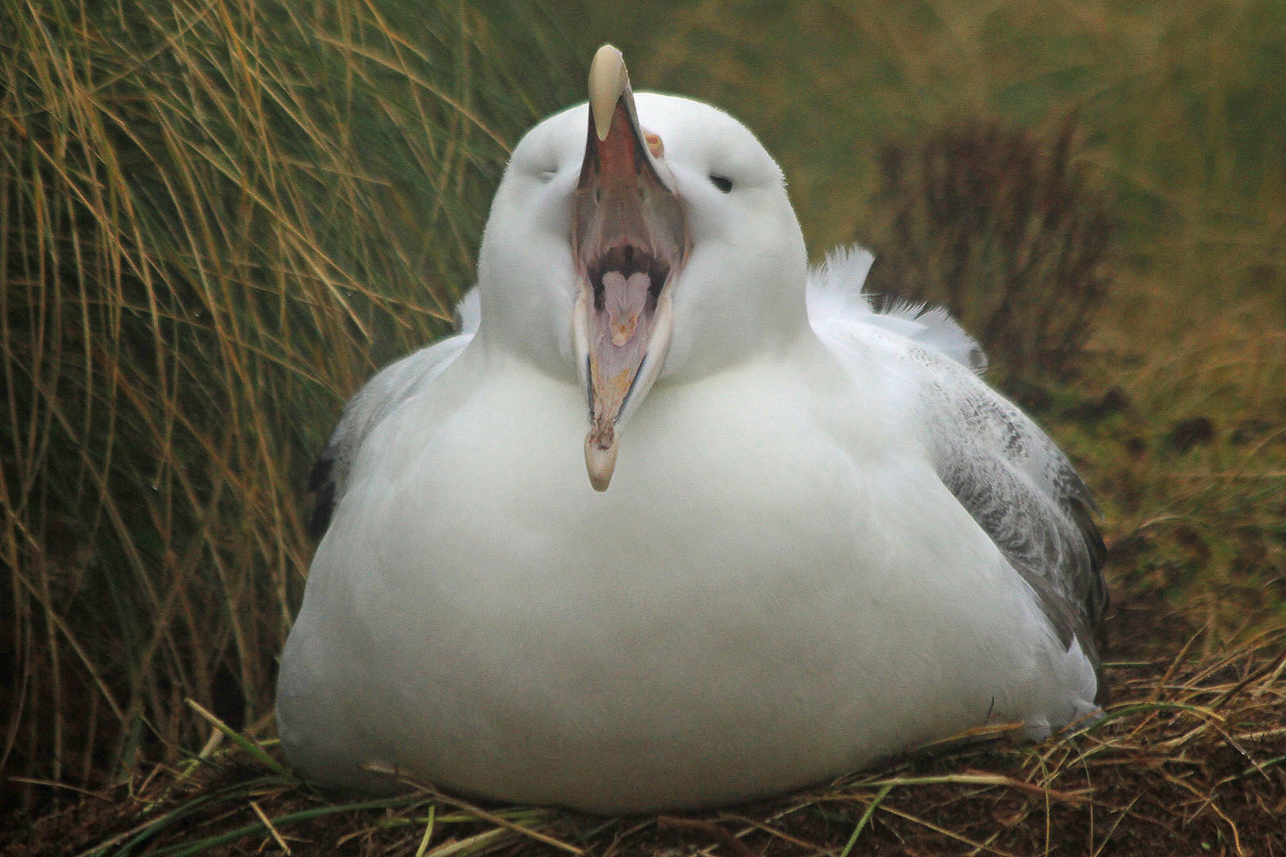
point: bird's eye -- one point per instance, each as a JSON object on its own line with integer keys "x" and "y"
{"x": 722, "y": 182}
{"x": 547, "y": 176}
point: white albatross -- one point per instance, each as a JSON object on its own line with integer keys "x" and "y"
{"x": 825, "y": 540}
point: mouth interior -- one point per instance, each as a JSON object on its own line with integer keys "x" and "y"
{"x": 627, "y": 282}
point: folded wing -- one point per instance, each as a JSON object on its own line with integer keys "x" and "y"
{"x": 1007, "y": 473}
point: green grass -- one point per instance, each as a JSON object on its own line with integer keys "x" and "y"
{"x": 218, "y": 218}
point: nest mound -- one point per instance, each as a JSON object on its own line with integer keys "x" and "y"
{"x": 1188, "y": 759}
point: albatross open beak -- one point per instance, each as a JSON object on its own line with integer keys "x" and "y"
{"x": 629, "y": 239}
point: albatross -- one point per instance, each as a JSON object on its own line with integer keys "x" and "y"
{"x": 673, "y": 521}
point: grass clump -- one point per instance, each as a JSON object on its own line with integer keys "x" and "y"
{"x": 1000, "y": 225}
{"x": 216, "y": 219}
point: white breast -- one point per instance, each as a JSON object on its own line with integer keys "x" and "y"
{"x": 715, "y": 627}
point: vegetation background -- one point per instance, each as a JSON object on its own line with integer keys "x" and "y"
{"x": 217, "y": 218}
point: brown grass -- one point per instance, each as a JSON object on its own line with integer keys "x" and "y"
{"x": 1000, "y": 225}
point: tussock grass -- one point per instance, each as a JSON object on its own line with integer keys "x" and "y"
{"x": 216, "y": 219}
{"x": 1000, "y": 225}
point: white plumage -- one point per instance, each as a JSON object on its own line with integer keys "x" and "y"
{"x": 825, "y": 540}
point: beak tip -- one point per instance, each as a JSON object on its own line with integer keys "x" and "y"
{"x": 600, "y": 463}
{"x": 608, "y": 80}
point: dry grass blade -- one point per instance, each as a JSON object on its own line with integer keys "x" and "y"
{"x": 720, "y": 834}
{"x": 246, "y": 744}
{"x": 482, "y": 814}
{"x": 267, "y": 822}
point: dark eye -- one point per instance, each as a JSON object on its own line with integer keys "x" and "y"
{"x": 722, "y": 182}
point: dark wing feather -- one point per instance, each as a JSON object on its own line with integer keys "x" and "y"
{"x": 322, "y": 486}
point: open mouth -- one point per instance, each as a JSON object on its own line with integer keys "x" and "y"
{"x": 630, "y": 239}
{"x": 626, "y": 283}
{"x": 618, "y": 277}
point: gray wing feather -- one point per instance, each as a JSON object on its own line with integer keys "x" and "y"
{"x": 1021, "y": 489}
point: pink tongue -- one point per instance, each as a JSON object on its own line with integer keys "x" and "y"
{"x": 624, "y": 300}
{"x": 619, "y": 343}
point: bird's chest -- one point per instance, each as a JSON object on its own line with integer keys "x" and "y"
{"x": 727, "y": 507}
{"x": 745, "y": 567}
{"x": 710, "y": 477}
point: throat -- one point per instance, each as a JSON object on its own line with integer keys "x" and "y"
{"x": 624, "y": 275}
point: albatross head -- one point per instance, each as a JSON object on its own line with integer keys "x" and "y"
{"x": 636, "y": 239}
